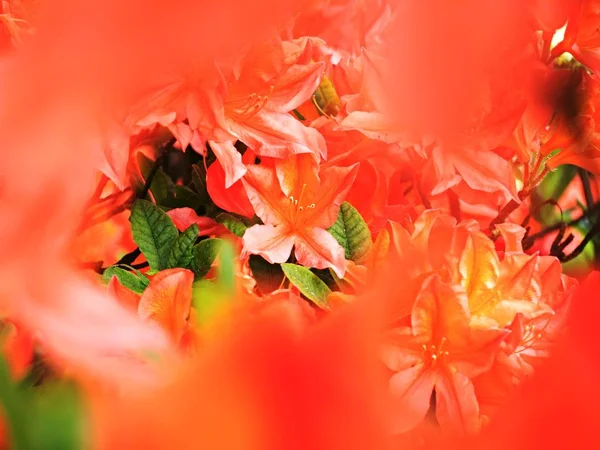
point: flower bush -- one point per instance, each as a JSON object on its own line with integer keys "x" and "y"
{"x": 311, "y": 224}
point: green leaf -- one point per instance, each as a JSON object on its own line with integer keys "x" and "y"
{"x": 205, "y": 254}
{"x": 207, "y": 300}
{"x": 352, "y": 233}
{"x": 311, "y": 286}
{"x": 327, "y": 276}
{"x": 298, "y": 115}
{"x": 49, "y": 416}
{"x": 154, "y": 232}
{"x": 129, "y": 280}
{"x": 226, "y": 269}
{"x": 182, "y": 252}
{"x": 59, "y": 416}
{"x": 14, "y": 406}
{"x": 162, "y": 188}
{"x": 144, "y": 164}
{"x": 234, "y": 224}
{"x": 268, "y": 276}
{"x": 199, "y": 181}
{"x": 185, "y": 197}
{"x": 555, "y": 183}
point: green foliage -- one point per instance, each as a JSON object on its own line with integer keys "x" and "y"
{"x": 154, "y": 232}
{"x": 583, "y": 263}
{"x": 40, "y": 418}
{"x": 352, "y": 233}
{"x": 199, "y": 182}
{"x": 185, "y": 197}
{"x": 310, "y": 285}
{"x": 556, "y": 182}
{"x": 204, "y": 254}
{"x": 235, "y": 224}
{"x": 182, "y": 252}
{"x": 207, "y": 300}
{"x": 327, "y": 276}
{"x": 268, "y": 276}
{"x": 226, "y": 269}
{"x": 134, "y": 282}
{"x": 162, "y": 188}
{"x": 209, "y": 297}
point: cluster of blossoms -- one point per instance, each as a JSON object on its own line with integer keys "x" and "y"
{"x": 280, "y": 181}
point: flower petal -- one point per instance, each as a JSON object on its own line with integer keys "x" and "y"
{"x": 233, "y": 199}
{"x": 182, "y": 133}
{"x": 265, "y": 195}
{"x": 168, "y": 299}
{"x": 335, "y": 184}
{"x": 116, "y": 155}
{"x": 400, "y": 350}
{"x": 230, "y": 159}
{"x": 317, "y": 248}
{"x": 127, "y": 298}
{"x": 274, "y": 243}
{"x": 479, "y": 269}
{"x": 296, "y": 85}
{"x": 410, "y": 392}
{"x": 295, "y": 171}
{"x": 486, "y": 171}
{"x": 183, "y": 218}
{"x": 440, "y": 311}
{"x": 278, "y": 135}
{"x": 456, "y": 404}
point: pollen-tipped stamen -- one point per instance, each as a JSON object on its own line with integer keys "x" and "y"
{"x": 252, "y": 105}
{"x": 298, "y": 207}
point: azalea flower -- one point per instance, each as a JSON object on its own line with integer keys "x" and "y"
{"x": 252, "y": 103}
{"x": 472, "y": 315}
{"x": 297, "y": 212}
{"x": 581, "y": 37}
{"x": 439, "y": 350}
{"x": 168, "y": 300}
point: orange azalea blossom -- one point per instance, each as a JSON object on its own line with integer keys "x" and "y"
{"x": 168, "y": 300}
{"x": 257, "y": 105}
{"x": 251, "y": 103}
{"x": 358, "y": 277}
{"x": 581, "y": 36}
{"x": 579, "y": 141}
{"x": 377, "y": 161}
{"x": 542, "y": 131}
{"x": 242, "y": 379}
{"x": 472, "y": 311}
{"x": 183, "y": 218}
{"x": 445, "y": 163}
{"x": 232, "y": 198}
{"x": 346, "y": 25}
{"x": 297, "y": 204}
{"x": 16, "y": 17}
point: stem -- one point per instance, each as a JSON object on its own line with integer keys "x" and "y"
{"x": 130, "y": 257}
{"x": 594, "y": 231}
{"x": 151, "y": 175}
{"x": 587, "y": 188}
{"x": 589, "y": 213}
{"x": 508, "y": 209}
